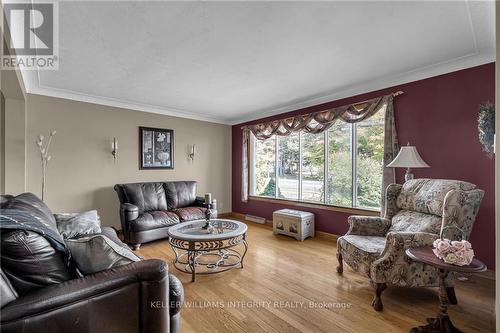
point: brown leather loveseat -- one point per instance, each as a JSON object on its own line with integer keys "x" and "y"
{"x": 148, "y": 210}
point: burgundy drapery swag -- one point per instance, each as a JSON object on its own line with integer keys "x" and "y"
{"x": 320, "y": 121}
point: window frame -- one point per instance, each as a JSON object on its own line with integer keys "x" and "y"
{"x": 300, "y": 202}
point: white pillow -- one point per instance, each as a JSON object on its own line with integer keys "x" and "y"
{"x": 73, "y": 225}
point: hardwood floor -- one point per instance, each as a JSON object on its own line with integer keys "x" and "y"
{"x": 291, "y": 286}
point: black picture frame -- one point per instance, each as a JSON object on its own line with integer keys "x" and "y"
{"x": 156, "y": 148}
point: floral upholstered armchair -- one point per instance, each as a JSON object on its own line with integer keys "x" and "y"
{"x": 414, "y": 215}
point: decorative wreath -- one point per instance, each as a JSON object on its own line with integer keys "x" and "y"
{"x": 486, "y": 127}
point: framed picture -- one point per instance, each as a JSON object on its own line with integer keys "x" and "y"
{"x": 156, "y": 147}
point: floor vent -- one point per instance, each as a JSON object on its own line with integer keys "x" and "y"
{"x": 256, "y": 219}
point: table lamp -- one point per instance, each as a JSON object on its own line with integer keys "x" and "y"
{"x": 408, "y": 157}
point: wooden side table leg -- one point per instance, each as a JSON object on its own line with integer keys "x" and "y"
{"x": 441, "y": 324}
{"x": 445, "y": 323}
{"x": 443, "y": 295}
{"x": 452, "y": 297}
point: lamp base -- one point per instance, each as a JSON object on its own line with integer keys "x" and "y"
{"x": 408, "y": 175}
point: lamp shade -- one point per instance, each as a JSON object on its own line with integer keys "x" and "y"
{"x": 408, "y": 157}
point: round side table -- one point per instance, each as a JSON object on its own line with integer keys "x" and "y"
{"x": 442, "y": 323}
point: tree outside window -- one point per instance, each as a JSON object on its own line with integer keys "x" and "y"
{"x": 352, "y": 176}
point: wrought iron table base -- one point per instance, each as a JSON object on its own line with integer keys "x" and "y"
{"x": 208, "y": 256}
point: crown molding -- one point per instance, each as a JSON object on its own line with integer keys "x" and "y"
{"x": 353, "y": 90}
{"x": 453, "y": 65}
{"x": 123, "y": 104}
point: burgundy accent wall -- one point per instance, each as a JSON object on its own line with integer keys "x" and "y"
{"x": 439, "y": 116}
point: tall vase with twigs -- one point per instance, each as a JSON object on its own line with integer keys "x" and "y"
{"x": 44, "y": 156}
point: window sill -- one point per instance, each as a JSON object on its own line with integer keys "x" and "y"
{"x": 357, "y": 211}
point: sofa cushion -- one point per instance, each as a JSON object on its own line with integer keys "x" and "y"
{"x": 95, "y": 253}
{"x": 180, "y": 194}
{"x": 146, "y": 196}
{"x": 73, "y": 225}
{"x": 360, "y": 251}
{"x": 30, "y": 262}
{"x": 190, "y": 213}
{"x": 153, "y": 220}
{"x": 427, "y": 195}
{"x": 409, "y": 221}
{"x": 30, "y": 203}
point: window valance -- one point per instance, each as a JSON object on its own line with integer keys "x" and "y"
{"x": 320, "y": 121}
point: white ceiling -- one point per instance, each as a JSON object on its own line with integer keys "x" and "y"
{"x": 230, "y": 62}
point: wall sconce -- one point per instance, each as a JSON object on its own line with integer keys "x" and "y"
{"x": 192, "y": 154}
{"x": 114, "y": 148}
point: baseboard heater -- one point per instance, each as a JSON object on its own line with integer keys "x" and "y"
{"x": 256, "y": 219}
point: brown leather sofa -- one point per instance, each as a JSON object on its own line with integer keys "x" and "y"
{"x": 148, "y": 210}
{"x": 40, "y": 293}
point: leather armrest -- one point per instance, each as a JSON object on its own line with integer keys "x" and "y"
{"x": 199, "y": 202}
{"x": 176, "y": 294}
{"x": 58, "y": 295}
{"x": 130, "y": 212}
{"x": 111, "y": 234}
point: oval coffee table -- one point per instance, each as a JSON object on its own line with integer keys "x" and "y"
{"x": 204, "y": 251}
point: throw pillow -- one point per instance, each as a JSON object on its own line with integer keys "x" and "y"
{"x": 73, "y": 225}
{"x": 96, "y": 253}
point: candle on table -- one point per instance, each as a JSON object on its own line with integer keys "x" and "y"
{"x": 208, "y": 198}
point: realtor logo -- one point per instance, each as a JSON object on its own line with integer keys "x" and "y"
{"x": 31, "y": 35}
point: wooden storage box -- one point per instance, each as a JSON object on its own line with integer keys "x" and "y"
{"x": 294, "y": 223}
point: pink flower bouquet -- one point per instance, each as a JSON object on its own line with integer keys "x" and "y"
{"x": 458, "y": 253}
